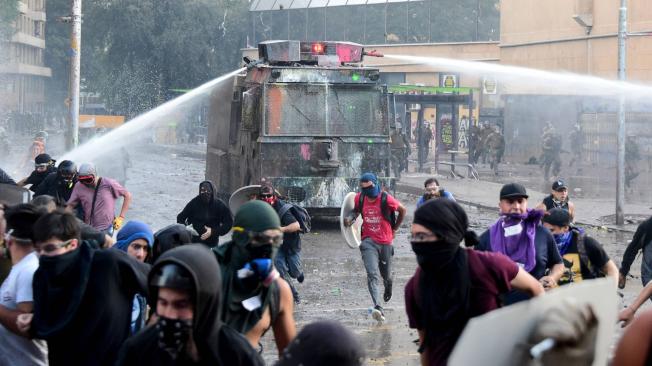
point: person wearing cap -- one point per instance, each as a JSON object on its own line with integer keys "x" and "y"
{"x": 255, "y": 297}
{"x": 584, "y": 258}
{"x": 518, "y": 234}
{"x": 558, "y": 198}
{"x": 136, "y": 239}
{"x": 186, "y": 290}
{"x": 82, "y": 295}
{"x": 288, "y": 257}
{"x": 43, "y": 166}
{"x": 207, "y": 215}
{"x": 453, "y": 284}
{"x": 379, "y": 226}
{"x": 16, "y": 292}
{"x": 98, "y": 196}
{"x": 60, "y": 184}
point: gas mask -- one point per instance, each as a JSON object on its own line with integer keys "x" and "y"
{"x": 173, "y": 334}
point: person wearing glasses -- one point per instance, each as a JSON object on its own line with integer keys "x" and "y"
{"x": 82, "y": 295}
{"x": 98, "y": 196}
{"x": 43, "y": 166}
{"x": 288, "y": 257}
{"x": 254, "y": 296}
{"x": 208, "y": 216}
{"x": 453, "y": 284}
{"x": 16, "y": 291}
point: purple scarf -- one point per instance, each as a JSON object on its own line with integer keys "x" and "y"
{"x": 520, "y": 247}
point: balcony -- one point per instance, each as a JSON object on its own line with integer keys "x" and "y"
{"x": 25, "y": 69}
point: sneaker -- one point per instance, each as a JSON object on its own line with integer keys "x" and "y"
{"x": 388, "y": 293}
{"x": 377, "y": 314}
{"x": 300, "y": 278}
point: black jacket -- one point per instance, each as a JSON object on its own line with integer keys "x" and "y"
{"x": 54, "y": 186}
{"x": 5, "y": 178}
{"x": 217, "y": 344}
{"x": 214, "y": 214}
{"x": 82, "y": 304}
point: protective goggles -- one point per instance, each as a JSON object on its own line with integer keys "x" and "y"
{"x": 41, "y": 166}
{"x": 259, "y": 239}
{"x": 86, "y": 179}
{"x": 52, "y": 247}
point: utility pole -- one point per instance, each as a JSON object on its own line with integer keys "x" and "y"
{"x": 620, "y": 164}
{"x": 73, "y": 86}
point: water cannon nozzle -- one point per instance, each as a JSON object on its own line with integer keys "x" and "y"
{"x": 373, "y": 53}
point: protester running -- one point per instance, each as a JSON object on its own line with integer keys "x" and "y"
{"x": 378, "y": 229}
{"x": 208, "y": 216}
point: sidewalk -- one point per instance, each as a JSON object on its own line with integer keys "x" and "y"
{"x": 484, "y": 194}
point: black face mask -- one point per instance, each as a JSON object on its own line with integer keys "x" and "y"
{"x": 434, "y": 255}
{"x": 260, "y": 251}
{"x": 173, "y": 334}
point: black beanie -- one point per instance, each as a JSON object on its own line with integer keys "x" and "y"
{"x": 558, "y": 217}
{"x": 446, "y": 219}
{"x": 21, "y": 218}
{"x": 323, "y": 343}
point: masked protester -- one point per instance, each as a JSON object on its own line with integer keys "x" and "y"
{"x": 288, "y": 257}
{"x": 378, "y": 228}
{"x": 255, "y": 297}
{"x": 453, "y": 284}
{"x": 186, "y": 288}
{"x": 98, "y": 196}
{"x": 60, "y": 184}
{"x": 518, "y": 234}
{"x": 169, "y": 237}
{"x": 82, "y": 296}
{"x": 207, "y": 215}
{"x": 43, "y": 166}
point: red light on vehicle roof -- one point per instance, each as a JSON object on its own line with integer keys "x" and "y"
{"x": 318, "y": 48}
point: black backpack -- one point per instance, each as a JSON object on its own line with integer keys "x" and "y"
{"x": 299, "y": 213}
{"x": 388, "y": 214}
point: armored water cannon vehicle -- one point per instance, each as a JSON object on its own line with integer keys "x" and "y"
{"x": 305, "y": 116}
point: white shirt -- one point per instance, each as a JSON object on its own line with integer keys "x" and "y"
{"x": 17, "y": 288}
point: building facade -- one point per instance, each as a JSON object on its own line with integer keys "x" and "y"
{"x": 22, "y": 69}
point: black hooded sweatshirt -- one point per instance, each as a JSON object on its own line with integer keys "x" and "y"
{"x": 53, "y": 185}
{"x": 36, "y": 178}
{"x": 82, "y": 304}
{"x": 212, "y": 213}
{"x": 217, "y": 343}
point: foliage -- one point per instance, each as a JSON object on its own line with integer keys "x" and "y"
{"x": 8, "y": 13}
{"x": 135, "y": 51}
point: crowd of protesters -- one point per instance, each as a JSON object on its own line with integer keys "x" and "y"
{"x": 74, "y": 295}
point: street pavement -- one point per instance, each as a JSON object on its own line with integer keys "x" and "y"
{"x": 598, "y": 212}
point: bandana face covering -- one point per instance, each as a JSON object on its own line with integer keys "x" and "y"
{"x": 434, "y": 255}
{"x": 173, "y": 334}
{"x": 371, "y": 192}
{"x": 563, "y": 241}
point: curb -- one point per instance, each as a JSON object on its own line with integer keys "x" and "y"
{"x": 417, "y": 191}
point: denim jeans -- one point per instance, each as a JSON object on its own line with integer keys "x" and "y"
{"x": 377, "y": 259}
{"x": 288, "y": 265}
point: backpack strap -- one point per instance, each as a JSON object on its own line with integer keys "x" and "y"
{"x": 97, "y": 188}
{"x": 360, "y": 203}
{"x": 284, "y": 209}
{"x": 584, "y": 257}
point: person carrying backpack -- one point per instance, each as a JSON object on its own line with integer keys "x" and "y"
{"x": 294, "y": 220}
{"x": 379, "y": 224}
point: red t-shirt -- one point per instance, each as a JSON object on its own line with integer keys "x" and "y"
{"x": 374, "y": 224}
{"x": 490, "y": 275}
